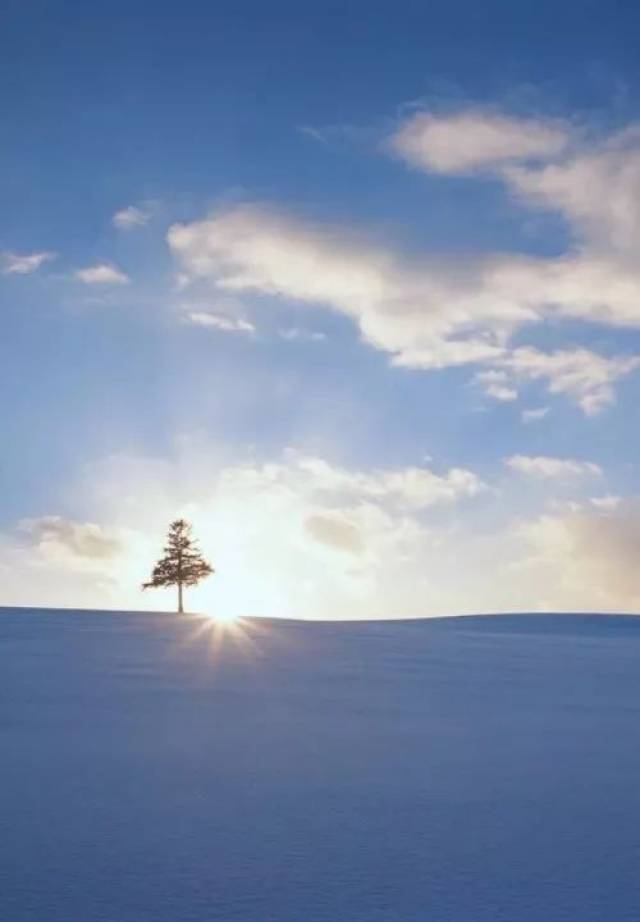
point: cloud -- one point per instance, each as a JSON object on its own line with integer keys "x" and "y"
{"x": 608, "y": 503}
{"x": 55, "y": 561}
{"x": 23, "y": 263}
{"x": 318, "y": 134}
{"x": 496, "y": 384}
{"x": 57, "y": 538}
{"x": 437, "y": 312}
{"x": 427, "y": 314}
{"x": 221, "y": 322}
{"x": 583, "y": 285}
{"x": 101, "y": 274}
{"x": 405, "y": 487}
{"x": 543, "y": 466}
{"x": 297, "y": 334}
{"x": 596, "y": 190}
{"x": 335, "y": 531}
{"x": 304, "y": 537}
{"x": 593, "y": 185}
{"x": 588, "y": 558}
{"x": 584, "y": 376}
{"x": 130, "y": 217}
{"x": 534, "y": 415}
{"x": 470, "y": 140}
{"x": 297, "y": 536}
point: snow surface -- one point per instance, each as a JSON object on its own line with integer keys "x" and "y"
{"x": 467, "y": 770}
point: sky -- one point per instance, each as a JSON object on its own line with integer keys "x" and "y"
{"x": 354, "y": 287}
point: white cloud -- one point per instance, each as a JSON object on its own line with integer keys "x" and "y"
{"x": 596, "y": 190}
{"x": 55, "y": 561}
{"x": 221, "y": 322}
{"x": 587, "y": 559}
{"x": 23, "y": 263}
{"x": 406, "y": 487}
{"x": 427, "y": 314}
{"x": 584, "y": 376}
{"x": 297, "y": 334}
{"x": 474, "y": 139}
{"x": 130, "y": 217}
{"x": 434, "y": 313}
{"x": 594, "y": 186}
{"x": 583, "y": 285}
{"x": 101, "y": 274}
{"x": 534, "y": 415}
{"x": 63, "y": 540}
{"x": 544, "y": 466}
{"x": 496, "y": 384}
{"x": 336, "y": 531}
{"x": 301, "y": 537}
{"x": 297, "y": 537}
{"x": 608, "y": 503}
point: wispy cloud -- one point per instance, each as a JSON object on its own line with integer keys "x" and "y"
{"x": 427, "y": 314}
{"x": 101, "y": 274}
{"x": 132, "y": 216}
{"x": 24, "y": 263}
{"x": 318, "y": 134}
{"x": 409, "y": 487}
{"x": 584, "y": 376}
{"x": 534, "y": 415}
{"x": 433, "y": 312}
{"x": 221, "y": 322}
{"x": 607, "y": 503}
{"x": 545, "y": 467}
{"x": 496, "y": 384}
{"x": 299, "y": 334}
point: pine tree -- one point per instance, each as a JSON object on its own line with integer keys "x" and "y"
{"x": 182, "y": 563}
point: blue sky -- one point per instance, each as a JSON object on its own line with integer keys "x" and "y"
{"x": 351, "y": 286}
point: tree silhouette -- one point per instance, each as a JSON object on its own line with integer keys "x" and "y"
{"x": 182, "y": 563}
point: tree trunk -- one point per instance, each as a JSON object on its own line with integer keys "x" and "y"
{"x": 180, "y": 606}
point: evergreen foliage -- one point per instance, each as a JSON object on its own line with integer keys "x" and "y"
{"x": 182, "y": 564}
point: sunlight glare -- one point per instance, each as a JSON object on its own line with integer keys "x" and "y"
{"x": 222, "y": 617}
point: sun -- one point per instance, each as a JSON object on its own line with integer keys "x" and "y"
{"x": 222, "y": 617}
{"x": 222, "y": 634}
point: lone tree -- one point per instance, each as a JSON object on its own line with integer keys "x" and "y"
{"x": 182, "y": 563}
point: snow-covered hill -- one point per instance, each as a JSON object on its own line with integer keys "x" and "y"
{"x": 456, "y": 770}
